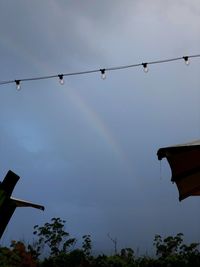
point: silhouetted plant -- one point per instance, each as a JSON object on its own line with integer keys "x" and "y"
{"x": 128, "y": 255}
{"x": 54, "y": 236}
{"x": 87, "y": 245}
{"x": 170, "y": 251}
{"x": 16, "y": 256}
{"x": 168, "y": 246}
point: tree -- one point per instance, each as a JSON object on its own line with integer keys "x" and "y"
{"x": 54, "y": 236}
{"x": 168, "y": 246}
{"x": 86, "y": 245}
{"x": 114, "y": 241}
{"x": 128, "y": 255}
{"x": 17, "y": 255}
{"x": 172, "y": 252}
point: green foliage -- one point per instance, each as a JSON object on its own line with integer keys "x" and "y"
{"x": 168, "y": 246}
{"x": 87, "y": 245}
{"x": 127, "y": 254}
{"x": 54, "y": 236}
{"x": 170, "y": 251}
{"x": 16, "y": 256}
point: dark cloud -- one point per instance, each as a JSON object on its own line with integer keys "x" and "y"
{"x": 87, "y": 150}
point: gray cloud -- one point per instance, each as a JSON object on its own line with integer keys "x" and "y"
{"x": 87, "y": 150}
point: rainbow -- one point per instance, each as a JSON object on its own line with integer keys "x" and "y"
{"x": 99, "y": 126}
{"x": 90, "y": 115}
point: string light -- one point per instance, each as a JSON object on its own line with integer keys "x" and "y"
{"x": 18, "y": 85}
{"x": 102, "y": 71}
{"x": 145, "y": 67}
{"x": 186, "y": 58}
{"x": 61, "y": 80}
{"x": 103, "y": 74}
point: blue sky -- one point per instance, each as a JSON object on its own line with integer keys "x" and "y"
{"x": 87, "y": 150}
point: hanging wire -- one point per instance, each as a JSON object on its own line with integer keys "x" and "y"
{"x": 160, "y": 170}
{"x": 102, "y": 70}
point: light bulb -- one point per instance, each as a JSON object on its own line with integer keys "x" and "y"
{"x": 145, "y": 67}
{"x": 187, "y": 62}
{"x": 61, "y": 80}
{"x": 18, "y": 85}
{"x": 103, "y": 74}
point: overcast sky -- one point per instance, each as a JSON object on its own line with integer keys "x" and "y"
{"x": 87, "y": 150}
